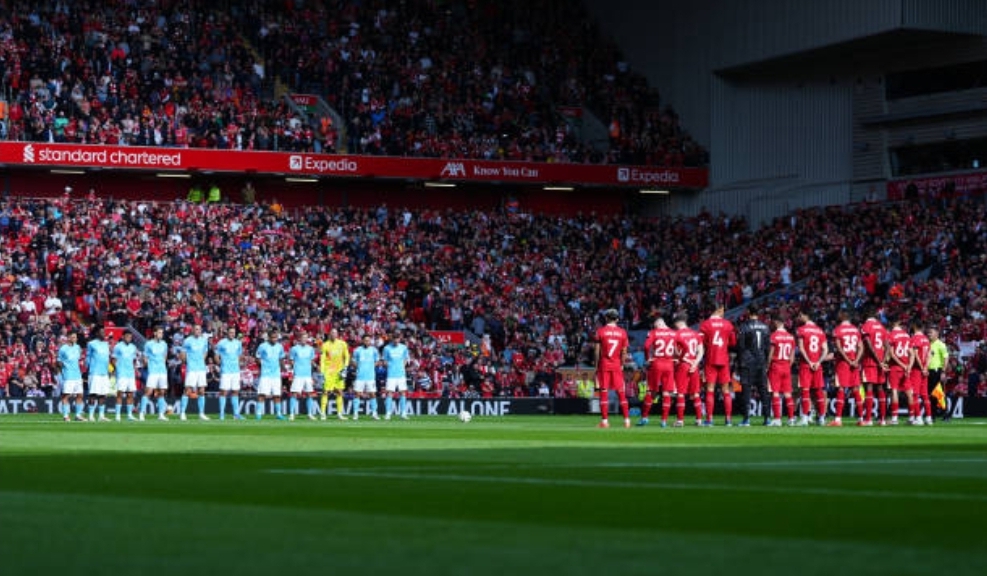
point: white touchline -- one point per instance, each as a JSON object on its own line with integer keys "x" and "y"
{"x": 372, "y": 473}
{"x": 786, "y": 463}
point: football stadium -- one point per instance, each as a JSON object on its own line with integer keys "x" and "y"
{"x": 468, "y": 287}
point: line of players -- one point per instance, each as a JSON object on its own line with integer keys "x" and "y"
{"x": 332, "y": 360}
{"x": 678, "y": 358}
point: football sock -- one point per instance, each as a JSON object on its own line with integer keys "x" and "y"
{"x": 728, "y": 405}
{"x": 806, "y": 402}
{"x": 357, "y": 401}
{"x": 882, "y": 402}
{"x": 236, "y": 405}
{"x": 840, "y": 400}
{"x": 680, "y": 407}
{"x": 605, "y": 404}
{"x": 697, "y": 404}
{"x": 709, "y": 405}
{"x": 868, "y": 405}
{"x": 624, "y": 409}
{"x": 790, "y": 406}
{"x": 403, "y": 405}
{"x": 648, "y": 401}
{"x": 78, "y": 407}
{"x": 162, "y": 405}
{"x": 895, "y": 406}
{"x": 202, "y": 403}
{"x": 324, "y": 402}
{"x": 373, "y": 405}
{"x": 102, "y": 410}
{"x": 184, "y": 404}
{"x": 388, "y": 406}
{"x": 666, "y": 407}
{"x": 222, "y": 406}
{"x": 260, "y": 408}
{"x": 293, "y": 406}
{"x": 820, "y": 403}
{"x": 65, "y": 408}
{"x": 928, "y": 406}
{"x": 92, "y": 410}
{"x": 776, "y": 407}
{"x": 339, "y": 403}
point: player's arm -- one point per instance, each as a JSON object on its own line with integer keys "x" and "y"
{"x": 596, "y": 354}
{"x": 771, "y": 354}
{"x": 802, "y": 353}
{"x": 825, "y": 351}
{"x": 700, "y": 354}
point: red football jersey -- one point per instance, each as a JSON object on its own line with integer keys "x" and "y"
{"x": 920, "y": 345}
{"x": 613, "y": 342}
{"x": 782, "y": 348}
{"x": 847, "y": 338}
{"x": 875, "y": 333}
{"x": 660, "y": 344}
{"x": 812, "y": 338}
{"x": 900, "y": 346}
{"x": 687, "y": 342}
{"x": 718, "y": 337}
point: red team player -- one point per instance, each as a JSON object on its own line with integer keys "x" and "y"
{"x": 875, "y": 337}
{"x": 899, "y": 359}
{"x": 918, "y": 377}
{"x": 718, "y": 337}
{"x": 849, "y": 349}
{"x": 780, "y": 372}
{"x": 610, "y": 352}
{"x": 659, "y": 349}
{"x": 689, "y": 353}
{"x": 813, "y": 349}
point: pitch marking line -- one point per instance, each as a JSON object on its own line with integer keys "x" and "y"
{"x": 380, "y": 474}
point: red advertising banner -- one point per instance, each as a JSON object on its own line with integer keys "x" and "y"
{"x": 304, "y": 99}
{"x": 939, "y": 186}
{"x": 24, "y": 154}
{"x": 449, "y": 336}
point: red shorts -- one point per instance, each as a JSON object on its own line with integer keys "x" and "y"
{"x": 610, "y": 380}
{"x": 898, "y": 379}
{"x": 846, "y": 375}
{"x": 717, "y": 374}
{"x": 661, "y": 377}
{"x": 686, "y": 383}
{"x": 810, "y": 379}
{"x": 872, "y": 374}
{"x": 919, "y": 383}
{"x": 780, "y": 380}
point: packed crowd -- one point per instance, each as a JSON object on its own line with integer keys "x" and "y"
{"x": 530, "y": 287}
{"x": 489, "y": 80}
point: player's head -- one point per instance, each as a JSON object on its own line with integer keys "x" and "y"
{"x": 916, "y": 327}
{"x": 97, "y": 333}
{"x": 680, "y": 320}
{"x": 753, "y": 311}
{"x": 933, "y": 333}
{"x": 611, "y": 315}
{"x": 843, "y": 316}
{"x": 804, "y": 317}
{"x": 272, "y": 336}
{"x": 73, "y": 337}
{"x": 779, "y": 323}
{"x": 197, "y": 330}
{"x": 894, "y": 321}
{"x": 333, "y": 334}
{"x": 660, "y": 322}
{"x": 231, "y": 333}
{"x": 720, "y": 310}
{"x": 127, "y": 336}
{"x": 397, "y": 336}
{"x": 366, "y": 339}
{"x": 158, "y": 333}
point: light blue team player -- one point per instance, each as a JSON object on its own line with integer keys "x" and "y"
{"x": 230, "y": 351}
{"x": 156, "y": 361}
{"x": 194, "y": 350}
{"x": 270, "y": 353}
{"x": 365, "y": 357}
{"x": 302, "y": 356}
{"x": 69, "y": 355}
{"x": 124, "y": 357}
{"x": 98, "y": 365}
{"x": 396, "y": 358}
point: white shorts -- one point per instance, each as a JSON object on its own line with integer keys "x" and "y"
{"x": 229, "y": 382}
{"x": 99, "y": 384}
{"x": 195, "y": 379}
{"x": 301, "y": 385}
{"x": 71, "y": 387}
{"x": 126, "y": 384}
{"x": 397, "y": 384}
{"x": 267, "y": 386}
{"x": 367, "y": 386}
{"x": 157, "y": 382}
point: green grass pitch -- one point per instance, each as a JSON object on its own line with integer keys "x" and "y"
{"x": 503, "y": 496}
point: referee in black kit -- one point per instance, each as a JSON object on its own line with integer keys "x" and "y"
{"x": 753, "y": 345}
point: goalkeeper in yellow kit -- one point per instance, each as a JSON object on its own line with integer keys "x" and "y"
{"x": 334, "y": 357}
